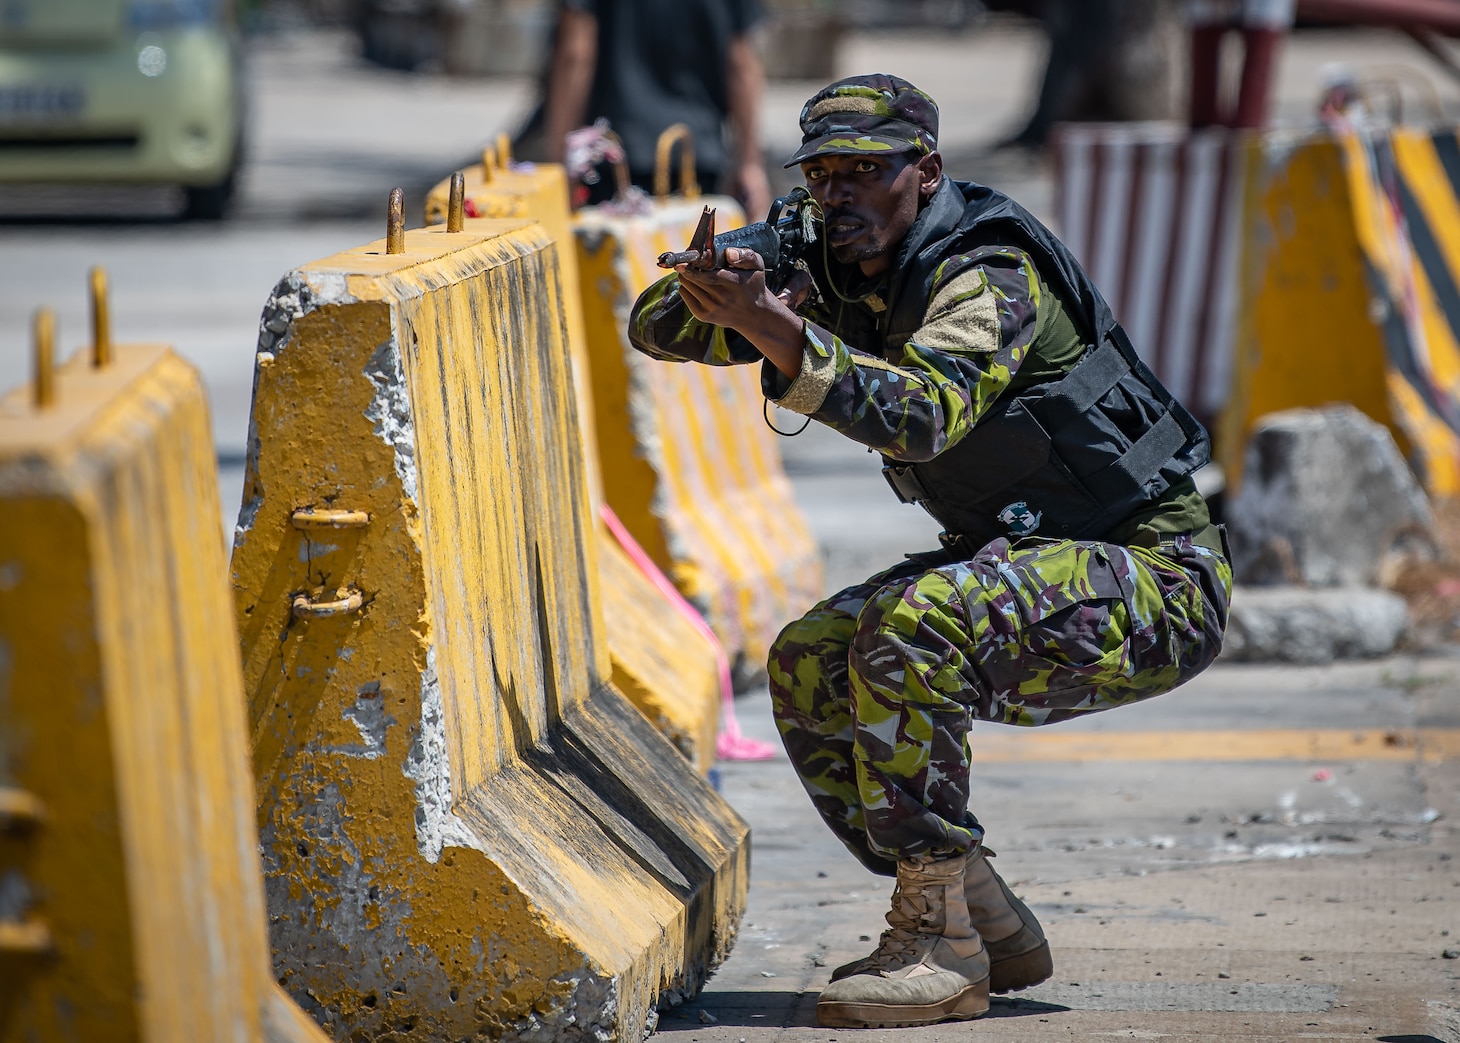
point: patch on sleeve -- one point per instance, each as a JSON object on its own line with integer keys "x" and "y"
{"x": 818, "y": 372}
{"x": 963, "y": 316}
{"x": 952, "y": 286}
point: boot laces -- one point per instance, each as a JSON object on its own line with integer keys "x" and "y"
{"x": 911, "y": 918}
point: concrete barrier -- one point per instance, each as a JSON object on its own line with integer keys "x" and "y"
{"x": 688, "y": 464}
{"x": 660, "y": 660}
{"x": 467, "y": 832}
{"x": 1258, "y": 273}
{"x": 499, "y": 188}
{"x": 1352, "y": 245}
{"x": 131, "y": 900}
{"x": 665, "y": 667}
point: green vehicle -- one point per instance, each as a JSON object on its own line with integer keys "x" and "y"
{"x": 122, "y": 91}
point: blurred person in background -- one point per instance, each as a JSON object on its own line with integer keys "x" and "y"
{"x": 1108, "y": 60}
{"x": 644, "y": 65}
{"x": 945, "y": 328}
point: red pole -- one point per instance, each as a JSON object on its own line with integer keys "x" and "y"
{"x": 1206, "y": 76}
{"x": 1264, "y": 22}
{"x": 1210, "y": 20}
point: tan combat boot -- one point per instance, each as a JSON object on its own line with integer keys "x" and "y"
{"x": 1018, "y": 954}
{"x": 930, "y": 964}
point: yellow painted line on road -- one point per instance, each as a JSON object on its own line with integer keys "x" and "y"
{"x": 1010, "y": 746}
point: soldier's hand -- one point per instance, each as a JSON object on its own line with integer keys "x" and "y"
{"x": 796, "y": 290}
{"x": 737, "y": 297}
{"x": 730, "y": 296}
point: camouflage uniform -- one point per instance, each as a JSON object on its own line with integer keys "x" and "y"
{"x": 876, "y": 689}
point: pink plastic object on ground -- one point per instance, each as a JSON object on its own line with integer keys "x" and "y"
{"x": 730, "y": 744}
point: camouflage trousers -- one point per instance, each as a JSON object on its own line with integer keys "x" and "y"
{"x": 876, "y": 689}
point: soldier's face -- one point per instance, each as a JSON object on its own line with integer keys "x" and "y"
{"x": 870, "y": 202}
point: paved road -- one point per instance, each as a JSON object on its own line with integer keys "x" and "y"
{"x": 1195, "y": 886}
{"x": 1208, "y": 867}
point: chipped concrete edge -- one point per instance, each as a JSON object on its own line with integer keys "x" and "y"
{"x": 295, "y": 296}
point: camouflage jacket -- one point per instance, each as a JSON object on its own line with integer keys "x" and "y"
{"x": 987, "y": 313}
{"x": 990, "y": 324}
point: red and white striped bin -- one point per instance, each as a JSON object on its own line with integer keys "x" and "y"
{"x": 1153, "y": 211}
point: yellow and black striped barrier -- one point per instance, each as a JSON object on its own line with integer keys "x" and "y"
{"x": 1352, "y": 291}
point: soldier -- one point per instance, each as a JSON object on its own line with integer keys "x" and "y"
{"x": 947, "y": 329}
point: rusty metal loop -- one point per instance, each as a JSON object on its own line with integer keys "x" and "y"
{"x": 25, "y": 938}
{"x": 20, "y": 809}
{"x": 101, "y": 320}
{"x": 304, "y": 608}
{"x": 395, "y": 223}
{"x": 504, "y": 151}
{"x": 676, "y": 134}
{"x": 456, "y": 204}
{"x": 45, "y": 358}
{"x": 309, "y": 518}
{"x": 621, "y": 181}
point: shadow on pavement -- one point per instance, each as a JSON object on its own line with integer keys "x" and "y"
{"x": 1003, "y": 1007}
{"x": 756, "y": 1009}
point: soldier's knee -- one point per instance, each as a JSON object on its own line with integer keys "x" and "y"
{"x": 901, "y": 607}
{"x": 816, "y": 636}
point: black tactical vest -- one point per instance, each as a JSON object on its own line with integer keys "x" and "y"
{"x": 1072, "y": 457}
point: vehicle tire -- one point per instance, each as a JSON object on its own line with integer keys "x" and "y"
{"x": 208, "y": 202}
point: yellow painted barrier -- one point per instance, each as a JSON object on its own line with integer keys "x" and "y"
{"x": 688, "y": 464}
{"x": 467, "y": 832}
{"x": 132, "y": 905}
{"x": 500, "y": 188}
{"x": 1352, "y": 244}
{"x": 664, "y": 666}
{"x": 660, "y": 661}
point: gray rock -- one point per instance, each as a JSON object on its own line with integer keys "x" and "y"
{"x": 1308, "y": 625}
{"x": 1326, "y": 501}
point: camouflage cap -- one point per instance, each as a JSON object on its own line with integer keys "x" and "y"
{"x": 862, "y": 114}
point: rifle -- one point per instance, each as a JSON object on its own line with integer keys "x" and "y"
{"x": 781, "y": 239}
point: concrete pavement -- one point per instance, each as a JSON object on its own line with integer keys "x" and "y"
{"x": 1271, "y": 899}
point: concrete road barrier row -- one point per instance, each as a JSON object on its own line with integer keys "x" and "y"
{"x": 467, "y": 832}
{"x": 131, "y": 899}
{"x": 688, "y": 464}
{"x": 664, "y": 667}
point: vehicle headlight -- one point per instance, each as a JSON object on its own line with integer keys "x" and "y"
{"x": 152, "y": 60}
{"x": 168, "y": 14}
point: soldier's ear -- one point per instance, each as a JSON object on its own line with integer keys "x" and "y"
{"x": 930, "y": 174}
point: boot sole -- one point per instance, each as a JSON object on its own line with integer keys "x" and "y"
{"x": 971, "y": 1002}
{"x": 1016, "y": 973}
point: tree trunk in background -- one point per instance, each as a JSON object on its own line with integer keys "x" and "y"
{"x": 1108, "y": 60}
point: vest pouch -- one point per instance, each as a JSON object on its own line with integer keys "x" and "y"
{"x": 1001, "y": 479}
